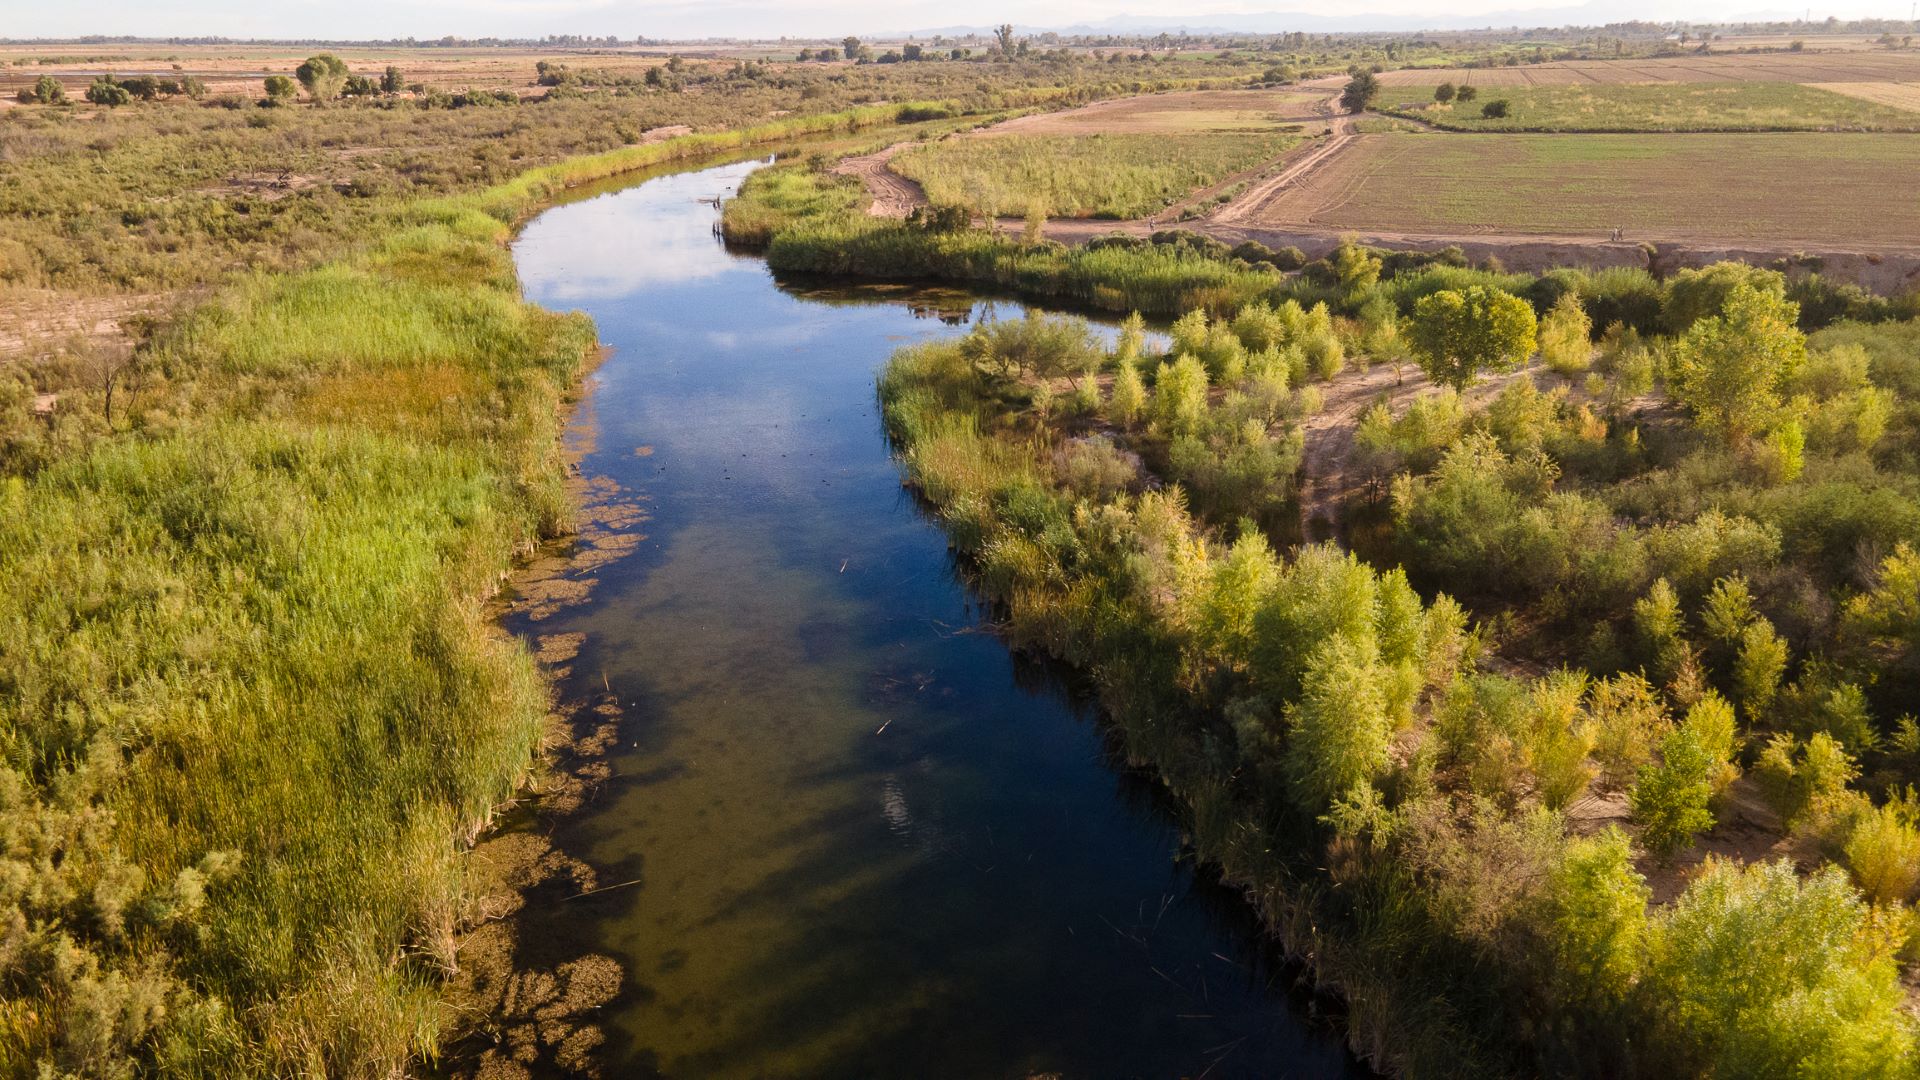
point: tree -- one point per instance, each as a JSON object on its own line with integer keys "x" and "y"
{"x": 1758, "y": 971}
{"x": 1129, "y": 400}
{"x": 1443, "y": 93}
{"x": 193, "y": 88}
{"x": 1466, "y": 94}
{"x": 1729, "y": 369}
{"x": 1566, "y": 336}
{"x": 1339, "y": 732}
{"x": 850, "y": 47}
{"x": 281, "y": 89}
{"x": 1180, "y": 395}
{"x": 391, "y": 82}
{"x": 1360, "y": 92}
{"x": 323, "y": 75}
{"x": 1496, "y": 109}
{"x": 46, "y": 91}
{"x": 104, "y": 91}
{"x": 1003, "y": 39}
{"x": 1356, "y": 268}
{"x": 1671, "y": 799}
{"x": 1458, "y": 333}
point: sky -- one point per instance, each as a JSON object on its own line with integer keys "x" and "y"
{"x": 360, "y": 19}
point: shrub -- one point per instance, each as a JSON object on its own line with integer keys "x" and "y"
{"x": 1497, "y": 109}
{"x": 1338, "y": 732}
{"x": 1566, "y": 336}
{"x": 1883, "y": 852}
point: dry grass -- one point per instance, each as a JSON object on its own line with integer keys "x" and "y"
{"x": 1898, "y": 95}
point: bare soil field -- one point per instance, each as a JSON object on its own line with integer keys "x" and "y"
{"x": 1802, "y": 67}
{"x": 1813, "y": 188}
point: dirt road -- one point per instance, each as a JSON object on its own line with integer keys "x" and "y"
{"x": 894, "y": 196}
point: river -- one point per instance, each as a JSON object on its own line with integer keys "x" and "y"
{"x": 867, "y": 839}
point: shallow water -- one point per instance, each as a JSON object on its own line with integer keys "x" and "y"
{"x": 869, "y": 840}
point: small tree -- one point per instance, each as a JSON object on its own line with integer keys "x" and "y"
{"x": 1729, "y": 369}
{"x": 1566, "y": 336}
{"x": 104, "y": 91}
{"x": 48, "y": 91}
{"x": 1003, "y": 39}
{"x": 323, "y": 75}
{"x": 281, "y": 89}
{"x": 1443, "y": 93}
{"x": 392, "y": 82}
{"x": 1360, "y": 92}
{"x": 1466, "y": 94}
{"x": 850, "y": 47}
{"x": 1458, "y": 333}
{"x": 1496, "y": 109}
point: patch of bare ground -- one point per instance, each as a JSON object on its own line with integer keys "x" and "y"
{"x": 1746, "y": 830}
{"x": 890, "y": 194}
{"x": 33, "y": 320}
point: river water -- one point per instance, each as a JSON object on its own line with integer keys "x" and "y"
{"x": 868, "y": 840}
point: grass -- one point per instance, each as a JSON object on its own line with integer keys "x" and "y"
{"x": 252, "y": 705}
{"x": 1619, "y": 107}
{"x": 1102, "y": 176}
{"x": 1811, "y": 188}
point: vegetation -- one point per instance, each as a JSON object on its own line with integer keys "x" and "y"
{"x": 1373, "y": 765}
{"x": 1629, "y": 106}
{"x": 1102, "y": 176}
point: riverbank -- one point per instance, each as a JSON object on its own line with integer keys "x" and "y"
{"x": 258, "y": 709}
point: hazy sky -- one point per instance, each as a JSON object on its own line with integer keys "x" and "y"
{"x": 763, "y": 18}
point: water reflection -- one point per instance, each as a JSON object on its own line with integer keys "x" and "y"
{"x": 871, "y": 841}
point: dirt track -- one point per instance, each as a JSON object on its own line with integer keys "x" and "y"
{"x": 894, "y": 196}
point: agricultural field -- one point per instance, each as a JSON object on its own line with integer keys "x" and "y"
{"x": 1755, "y": 188}
{"x": 1801, "y": 67}
{"x": 1705, "y": 106}
{"x": 1898, "y": 95}
{"x": 1188, "y": 113}
{"x": 1103, "y": 176}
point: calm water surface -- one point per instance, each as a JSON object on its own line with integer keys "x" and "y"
{"x": 870, "y": 841}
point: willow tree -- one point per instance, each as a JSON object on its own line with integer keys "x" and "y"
{"x": 1457, "y": 334}
{"x": 1728, "y": 369}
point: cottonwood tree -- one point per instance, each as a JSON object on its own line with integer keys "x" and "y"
{"x": 1457, "y": 334}
{"x": 1360, "y": 92}
{"x": 1566, "y": 336}
{"x": 323, "y": 75}
{"x": 1729, "y": 369}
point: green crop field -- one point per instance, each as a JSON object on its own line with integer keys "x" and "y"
{"x": 1827, "y": 188}
{"x": 1117, "y": 176}
{"x": 1717, "y": 106}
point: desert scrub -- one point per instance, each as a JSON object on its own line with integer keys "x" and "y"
{"x": 1101, "y": 176}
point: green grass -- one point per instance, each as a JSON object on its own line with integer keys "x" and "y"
{"x": 1102, "y": 176}
{"x": 1731, "y": 106}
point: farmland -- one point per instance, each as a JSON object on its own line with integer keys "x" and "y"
{"x": 1109, "y": 176}
{"x": 1188, "y": 113}
{"x": 1703, "y": 106}
{"x": 1810, "y": 188}
{"x": 1801, "y": 67}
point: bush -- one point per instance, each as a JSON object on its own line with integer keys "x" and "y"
{"x": 1497, "y": 109}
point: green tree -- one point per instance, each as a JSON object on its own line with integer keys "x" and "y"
{"x": 1758, "y": 668}
{"x": 1566, "y": 336}
{"x": 1756, "y": 971}
{"x": 1672, "y": 800}
{"x": 1003, "y": 38}
{"x": 1883, "y": 851}
{"x": 1443, "y": 93}
{"x": 1180, "y": 396}
{"x": 48, "y": 91}
{"x": 1466, "y": 93}
{"x": 1129, "y": 400}
{"x": 1597, "y": 911}
{"x": 1456, "y": 334}
{"x": 1497, "y": 109}
{"x": 323, "y": 75}
{"x": 1360, "y": 93}
{"x": 104, "y": 91}
{"x": 1356, "y": 268}
{"x": 391, "y": 81}
{"x": 281, "y": 89}
{"x": 850, "y": 47}
{"x": 1729, "y": 368}
{"x": 1339, "y": 731}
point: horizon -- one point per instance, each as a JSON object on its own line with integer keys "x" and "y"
{"x": 772, "y": 20}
